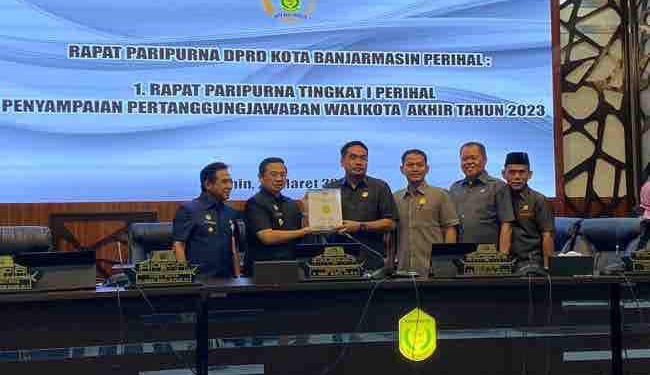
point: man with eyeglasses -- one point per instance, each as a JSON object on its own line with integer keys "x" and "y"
{"x": 273, "y": 221}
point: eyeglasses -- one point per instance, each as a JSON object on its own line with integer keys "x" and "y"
{"x": 282, "y": 175}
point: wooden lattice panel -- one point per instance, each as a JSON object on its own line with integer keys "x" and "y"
{"x": 595, "y": 127}
{"x": 643, "y": 12}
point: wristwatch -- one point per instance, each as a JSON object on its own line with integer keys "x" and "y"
{"x": 363, "y": 227}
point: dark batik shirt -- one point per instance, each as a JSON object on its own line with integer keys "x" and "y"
{"x": 370, "y": 200}
{"x": 482, "y": 204}
{"x": 533, "y": 217}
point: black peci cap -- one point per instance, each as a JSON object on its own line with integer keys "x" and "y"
{"x": 517, "y": 158}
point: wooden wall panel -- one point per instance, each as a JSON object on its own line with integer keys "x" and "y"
{"x": 39, "y": 213}
{"x": 89, "y": 232}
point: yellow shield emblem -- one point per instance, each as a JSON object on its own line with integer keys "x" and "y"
{"x": 417, "y": 335}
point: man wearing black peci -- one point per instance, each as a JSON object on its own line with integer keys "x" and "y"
{"x": 203, "y": 227}
{"x": 532, "y": 230}
{"x": 274, "y": 222}
{"x": 368, "y": 207}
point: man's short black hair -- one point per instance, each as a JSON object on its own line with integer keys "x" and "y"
{"x": 209, "y": 172}
{"x": 267, "y": 161}
{"x": 346, "y": 146}
{"x": 477, "y": 144}
{"x": 414, "y": 151}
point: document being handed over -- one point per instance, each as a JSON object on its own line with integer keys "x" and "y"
{"x": 324, "y": 209}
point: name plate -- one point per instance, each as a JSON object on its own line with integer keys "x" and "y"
{"x": 164, "y": 269}
{"x": 333, "y": 264}
{"x": 487, "y": 261}
{"x": 14, "y": 277}
{"x": 641, "y": 260}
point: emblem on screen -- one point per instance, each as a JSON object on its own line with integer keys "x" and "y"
{"x": 290, "y": 5}
{"x": 290, "y": 11}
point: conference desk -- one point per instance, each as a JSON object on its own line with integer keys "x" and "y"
{"x": 500, "y": 325}
{"x": 97, "y": 332}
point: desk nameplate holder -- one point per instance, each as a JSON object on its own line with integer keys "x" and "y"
{"x": 486, "y": 261}
{"x": 14, "y": 277}
{"x": 333, "y": 264}
{"x": 641, "y": 261}
{"x": 164, "y": 270}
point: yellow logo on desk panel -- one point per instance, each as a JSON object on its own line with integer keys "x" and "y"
{"x": 417, "y": 335}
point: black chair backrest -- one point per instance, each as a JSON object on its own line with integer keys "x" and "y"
{"x": 563, "y": 230}
{"x": 147, "y": 237}
{"x": 611, "y": 234}
{"x": 21, "y": 239}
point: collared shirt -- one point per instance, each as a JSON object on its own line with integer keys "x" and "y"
{"x": 423, "y": 214}
{"x": 265, "y": 211}
{"x": 204, "y": 226}
{"x": 482, "y": 204}
{"x": 533, "y": 217}
{"x": 645, "y": 200}
{"x": 370, "y": 200}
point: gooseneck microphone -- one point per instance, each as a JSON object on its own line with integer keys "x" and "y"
{"x": 380, "y": 273}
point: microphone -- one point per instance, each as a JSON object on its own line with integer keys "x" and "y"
{"x": 119, "y": 252}
{"x": 379, "y": 273}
